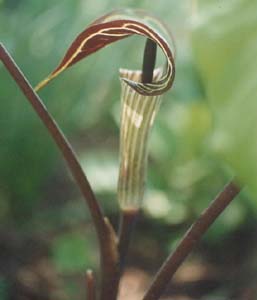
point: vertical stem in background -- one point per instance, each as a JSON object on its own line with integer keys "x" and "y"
{"x": 191, "y": 238}
{"x": 106, "y": 235}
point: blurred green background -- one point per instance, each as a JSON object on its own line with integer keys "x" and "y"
{"x": 205, "y": 133}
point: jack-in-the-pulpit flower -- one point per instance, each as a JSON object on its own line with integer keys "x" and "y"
{"x": 137, "y": 116}
{"x": 140, "y": 100}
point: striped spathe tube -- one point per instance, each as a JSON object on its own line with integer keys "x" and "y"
{"x": 137, "y": 116}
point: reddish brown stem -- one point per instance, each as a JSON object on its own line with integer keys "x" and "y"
{"x": 191, "y": 238}
{"x": 127, "y": 223}
{"x": 90, "y": 283}
{"x": 105, "y": 232}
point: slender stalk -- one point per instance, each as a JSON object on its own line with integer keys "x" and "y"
{"x": 127, "y": 223}
{"x": 90, "y": 283}
{"x": 106, "y": 235}
{"x": 190, "y": 239}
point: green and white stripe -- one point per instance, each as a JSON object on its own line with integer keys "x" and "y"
{"x": 137, "y": 117}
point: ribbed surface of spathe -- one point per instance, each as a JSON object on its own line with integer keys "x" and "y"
{"x": 137, "y": 116}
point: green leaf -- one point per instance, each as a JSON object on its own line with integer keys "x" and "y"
{"x": 225, "y": 48}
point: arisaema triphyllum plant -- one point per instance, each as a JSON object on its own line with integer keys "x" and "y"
{"x": 141, "y": 92}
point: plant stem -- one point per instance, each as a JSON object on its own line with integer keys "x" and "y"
{"x": 106, "y": 235}
{"x": 127, "y": 222}
{"x": 90, "y": 283}
{"x": 190, "y": 239}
